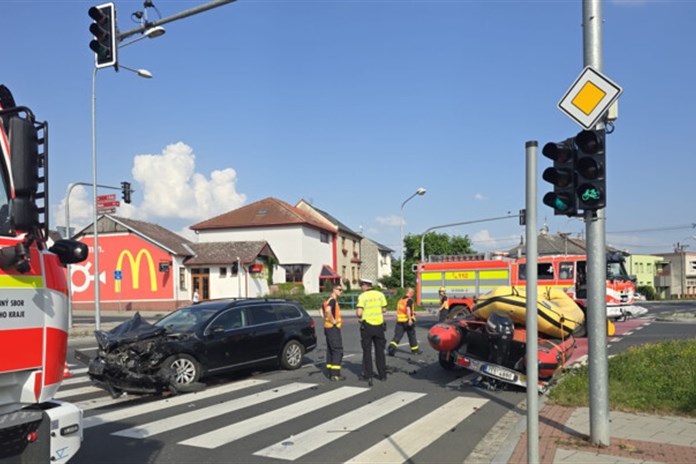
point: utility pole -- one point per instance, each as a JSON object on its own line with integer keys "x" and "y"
{"x": 595, "y": 227}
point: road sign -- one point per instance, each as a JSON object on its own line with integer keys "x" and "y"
{"x": 118, "y": 275}
{"x": 109, "y": 197}
{"x": 589, "y": 97}
{"x": 106, "y": 210}
{"x": 108, "y": 204}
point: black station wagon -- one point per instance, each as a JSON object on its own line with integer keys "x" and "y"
{"x": 198, "y": 340}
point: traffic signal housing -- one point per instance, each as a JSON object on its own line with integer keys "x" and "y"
{"x": 562, "y": 176}
{"x": 103, "y": 28}
{"x": 126, "y": 192}
{"x": 590, "y": 168}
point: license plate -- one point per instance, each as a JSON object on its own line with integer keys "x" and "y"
{"x": 499, "y": 372}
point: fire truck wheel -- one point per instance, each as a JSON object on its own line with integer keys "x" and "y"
{"x": 184, "y": 369}
{"x": 446, "y": 361}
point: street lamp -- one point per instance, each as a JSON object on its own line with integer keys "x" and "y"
{"x": 95, "y": 229}
{"x": 421, "y": 191}
{"x": 140, "y": 72}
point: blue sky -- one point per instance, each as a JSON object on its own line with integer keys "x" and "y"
{"x": 353, "y": 105}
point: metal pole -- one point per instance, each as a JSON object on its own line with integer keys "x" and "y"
{"x": 97, "y": 312}
{"x": 420, "y": 191}
{"x": 183, "y": 14}
{"x": 595, "y": 226}
{"x": 68, "y": 235}
{"x": 422, "y": 246}
{"x": 531, "y": 315}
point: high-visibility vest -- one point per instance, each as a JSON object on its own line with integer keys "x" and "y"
{"x": 402, "y": 309}
{"x": 372, "y": 302}
{"x": 336, "y": 315}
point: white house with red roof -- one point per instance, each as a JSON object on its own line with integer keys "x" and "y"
{"x": 304, "y": 245}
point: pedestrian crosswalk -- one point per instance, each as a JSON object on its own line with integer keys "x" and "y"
{"x": 291, "y": 414}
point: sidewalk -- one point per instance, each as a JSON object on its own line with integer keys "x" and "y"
{"x": 635, "y": 438}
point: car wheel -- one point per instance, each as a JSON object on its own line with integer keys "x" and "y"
{"x": 291, "y": 355}
{"x": 446, "y": 361}
{"x": 184, "y": 369}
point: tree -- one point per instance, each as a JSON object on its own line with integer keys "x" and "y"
{"x": 435, "y": 244}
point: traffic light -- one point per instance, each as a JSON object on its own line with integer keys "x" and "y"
{"x": 590, "y": 168}
{"x": 126, "y": 192}
{"x": 104, "y": 31}
{"x": 562, "y": 176}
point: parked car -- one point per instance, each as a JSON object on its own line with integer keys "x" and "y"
{"x": 178, "y": 350}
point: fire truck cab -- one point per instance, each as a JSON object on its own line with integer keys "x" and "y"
{"x": 465, "y": 277}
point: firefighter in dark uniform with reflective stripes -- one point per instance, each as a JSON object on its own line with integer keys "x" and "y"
{"x": 332, "y": 329}
{"x": 371, "y": 308}
{"x": 444, "y": 305}
{"x": 405, "y": 323}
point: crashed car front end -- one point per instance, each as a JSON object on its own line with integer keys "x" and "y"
{"x": 130, "y": 357}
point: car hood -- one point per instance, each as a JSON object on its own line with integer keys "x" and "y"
{"x": 130, "y": 331}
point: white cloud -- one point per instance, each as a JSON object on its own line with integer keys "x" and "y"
{"x": 170, "y": 188}
{"x": 480, "y": 197}
{"x": 484, "y": 241}
{"x": 390, "y": 221}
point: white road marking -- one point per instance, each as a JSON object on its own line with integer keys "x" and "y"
{"x": 225, "y": 435}
{"x": 298, "y": 445}
{"x": 158, "y": 405}
{"x": 407, "y": 442}
{"x": 199, "y": 415}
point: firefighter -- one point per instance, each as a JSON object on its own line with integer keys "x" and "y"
{"x": 405, "y": 323}
{"x": 371, "y": 308}
{"x": 331, "y": 311}
{"x": 444, "y": 305}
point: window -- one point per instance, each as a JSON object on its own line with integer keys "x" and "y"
{"x": 544, "y": 271}
{"x": 294, "y": 273}
{"x": 261, "y": 314}
{"x": 232, "y": 319}
{"x": 324, "y": 237}
{"x": 565, "y": 270}
{"x": 285, "y": 312}
{"x": 223, "y": 272}
{"x": 182, "y": 279}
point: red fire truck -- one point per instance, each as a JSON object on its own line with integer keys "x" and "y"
{"x": 33, "y": 299}
{"x": 465, "y": 277}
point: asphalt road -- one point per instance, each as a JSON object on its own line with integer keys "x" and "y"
{"x": 429, "y": 414}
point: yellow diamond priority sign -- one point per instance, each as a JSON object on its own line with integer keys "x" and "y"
{"x": 589, "y": 97}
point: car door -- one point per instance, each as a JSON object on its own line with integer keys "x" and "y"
{"x": 267, "y": 335}
{"x": 226, "y": 339}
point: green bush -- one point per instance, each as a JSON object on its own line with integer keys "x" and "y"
{"x": 296, "y": 292}
{"x": 647, "y": 291}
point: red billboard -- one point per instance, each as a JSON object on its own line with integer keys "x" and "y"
{"x": 137, "y": 263}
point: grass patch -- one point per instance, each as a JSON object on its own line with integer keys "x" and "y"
{"x": 655, "y": 378}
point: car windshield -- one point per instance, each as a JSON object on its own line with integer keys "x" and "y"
{"x": 187, "y": 319}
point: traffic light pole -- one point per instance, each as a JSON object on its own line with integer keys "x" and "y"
{"x": 182, "y": 15}
{"x": 531, "y": 321}
{"x": 595, "y": 227}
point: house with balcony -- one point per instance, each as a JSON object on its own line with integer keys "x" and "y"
{"x": 348, "y": 251}
{"x": 304, "y": 244}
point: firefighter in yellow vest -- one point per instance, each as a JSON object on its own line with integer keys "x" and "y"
{"x": 405, "y": 323}
{"x": 332, "y": 330}
{"x": 371, "y": 308}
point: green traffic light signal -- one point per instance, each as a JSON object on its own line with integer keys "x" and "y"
{"x": 104, "y": 31}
